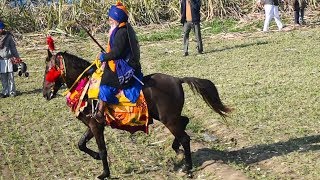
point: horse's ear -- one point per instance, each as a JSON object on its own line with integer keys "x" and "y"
{"x": 49, "y": 55}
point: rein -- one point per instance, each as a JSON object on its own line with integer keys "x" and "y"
{"x": 78, "y": 78}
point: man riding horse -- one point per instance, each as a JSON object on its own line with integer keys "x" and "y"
{"x": 164, "y": 94}
{"x": 122, "y": 62}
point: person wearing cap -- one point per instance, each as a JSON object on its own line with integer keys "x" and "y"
{"x": 8, "y": 50}
{"x": 190, "y": 19}
{"x": 122, "y": 62}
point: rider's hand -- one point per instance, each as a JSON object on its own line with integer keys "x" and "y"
{"x": 102, "y": 57}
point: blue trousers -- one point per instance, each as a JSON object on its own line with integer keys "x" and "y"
{"x": 108, "y": 93}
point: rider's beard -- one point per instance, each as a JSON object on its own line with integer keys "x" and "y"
{"x": 112, "y": 27}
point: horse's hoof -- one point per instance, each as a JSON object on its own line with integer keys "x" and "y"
{"x": 184, "y": 168}
{"x": 104, "y": 175}
{"x": 189, "y": 174}
{"x": 187, "y": 171}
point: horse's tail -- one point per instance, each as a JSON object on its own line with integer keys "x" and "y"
{"x": 209, "y": 93}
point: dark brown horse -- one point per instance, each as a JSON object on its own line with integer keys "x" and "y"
{"x": 164, "y": 95}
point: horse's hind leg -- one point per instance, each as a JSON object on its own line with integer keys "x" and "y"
{"x": 83, "y": 144}
{"x": 177, "y": 128}
{"x": 97, "y": 131}
{"x": 176, "y": 144}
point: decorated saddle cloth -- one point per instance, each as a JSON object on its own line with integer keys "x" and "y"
{"x": 75, "y": 97}
{"x": 128, "y": 116}
{"x": 131, "y": 117}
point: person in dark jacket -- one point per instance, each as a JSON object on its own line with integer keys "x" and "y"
{"x": 298, "y": 7}
{"x": 190, "y": 18}
{"x": 8, "y": 51}
{"x": 122, "y": 62}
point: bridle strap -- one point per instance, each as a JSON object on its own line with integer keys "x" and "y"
{"x": 62, "y": 67}
{"x": 79, "y": 77}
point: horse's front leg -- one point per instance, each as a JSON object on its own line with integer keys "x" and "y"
{"x": 97, "y": 131}
{"x": 83, "y": 144}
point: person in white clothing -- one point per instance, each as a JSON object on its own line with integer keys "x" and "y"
{"x": 271, "y": 8}
{"x": 7, "y": 51}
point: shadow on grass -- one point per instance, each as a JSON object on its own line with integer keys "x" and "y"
{"x": 34, "y": 91}
{"x": 37, "y": 91}
{"x": 237, "y": 46}
{"x": 254, "y": 154}
{"x": 315, "y": 22}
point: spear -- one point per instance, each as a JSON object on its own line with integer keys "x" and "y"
{"x": 87, "y": 31}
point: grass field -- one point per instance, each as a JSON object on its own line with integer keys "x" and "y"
{"x": 271, "y": 80}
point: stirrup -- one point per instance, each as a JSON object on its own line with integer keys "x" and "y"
{"x": 99, "y": 117}
{"x": 91, "y": 115}
{"x": 94, "y": 114}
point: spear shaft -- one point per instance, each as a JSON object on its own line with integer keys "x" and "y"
{"x": 87, "y": 31}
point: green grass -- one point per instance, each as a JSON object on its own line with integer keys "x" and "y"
{"x": 174, "y": 31}
{"x": 271, "y": 80}
{"x": 170, "y": 33}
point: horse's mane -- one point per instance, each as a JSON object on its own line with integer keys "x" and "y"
{"x": 76, "y": 62}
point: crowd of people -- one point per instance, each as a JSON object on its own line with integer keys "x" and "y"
{"x": 123, "y": 48}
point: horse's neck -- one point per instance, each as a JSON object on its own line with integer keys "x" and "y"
{"x": 70, "y": 82}
{"x": 72, "y": 73}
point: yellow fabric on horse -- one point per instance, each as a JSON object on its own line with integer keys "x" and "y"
{"x": 93, "y": 92}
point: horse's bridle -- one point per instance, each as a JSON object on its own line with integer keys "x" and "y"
{"x": 61, "y": 67}
{"x": 57, "y": 65}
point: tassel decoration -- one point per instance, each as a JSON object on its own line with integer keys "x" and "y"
{"x": 50, "y": 43}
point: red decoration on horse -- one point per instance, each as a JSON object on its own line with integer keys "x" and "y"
{"x": 50, "y": 43}
{"x": 53, "y": 74}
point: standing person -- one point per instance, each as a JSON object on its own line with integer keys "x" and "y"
{"x": 7, "y": 51}
{"x": 122, "y": 62}
{"x": 190, "y": 18}
{"x": 271, "y": 8}
{"x": 298, "y": 7}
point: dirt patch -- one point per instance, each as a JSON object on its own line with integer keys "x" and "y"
{"x": 210, "y": 167}
{"x": 207, "y": 163}
{"x": 5, "y": 172}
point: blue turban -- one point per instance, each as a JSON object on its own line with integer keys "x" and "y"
{"x": 118, "y": 14}
{"x": 2, "y": 25}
